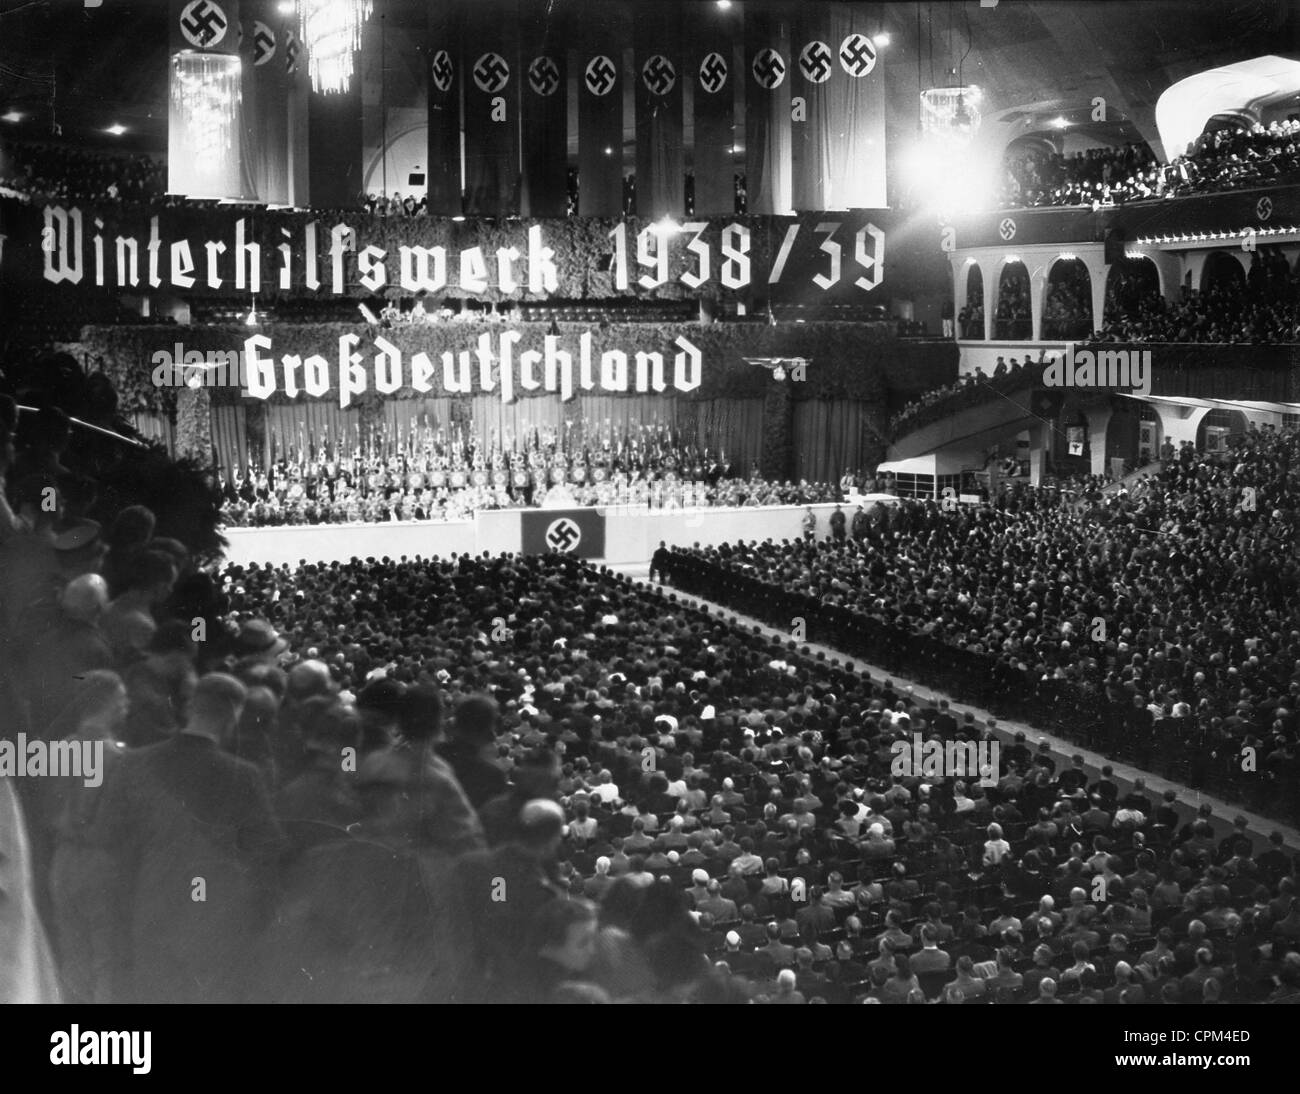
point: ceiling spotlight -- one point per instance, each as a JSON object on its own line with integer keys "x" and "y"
{"x": 285, "y": 7}
{"x": 1060, "y": 123}
{"x": 881, "y": 40}
{"x": 724, "y": 4}
{"x": 12, "y": 116}
{"x": 458, "y": 218}
{"x": 116, "y": 129}
{"x": 608, "y": 151}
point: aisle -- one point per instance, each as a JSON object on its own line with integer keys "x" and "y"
{"x": 1006, "y": 729}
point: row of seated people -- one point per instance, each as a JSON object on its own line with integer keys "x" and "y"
{"x": 969, "y": 390}
{"x": 1020, "y": 609}
{"x": 293, "y": 743}
{"x": 1241, "y": 157}
{"x": 344, "y": 501}
{"x": 1265, "y": 307}
{"x": 57, "y": 172}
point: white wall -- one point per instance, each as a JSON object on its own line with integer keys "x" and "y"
{"x": 631, "y": 535}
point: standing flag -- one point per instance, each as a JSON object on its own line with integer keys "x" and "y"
{"x": 444, "y": 80}
{"x": 489, "y": 54}
{"x": 660, "y": 151}
{"x": 709, "y": 63}
{"x": 544, "y": 93}
{"x": 767, "y": 107}
{"x": 600, "y": 114}
{"x": 205, "y": 81}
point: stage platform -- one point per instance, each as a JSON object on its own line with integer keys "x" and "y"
{"x": 627, "y": 535}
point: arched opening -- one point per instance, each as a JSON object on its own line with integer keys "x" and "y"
{"x": 1217, "y": 426}
{"x": 971, "y": 320}
{"x": 1133, "y": 434}
{"x": 1012, "y": 322}
{"x": 1067, "y": 305}
{"x": 1222, "y": 273}
{"x": 1132, "y": 289}
{"x": 399, "y": 167}
{"x": 1071, "y": 452}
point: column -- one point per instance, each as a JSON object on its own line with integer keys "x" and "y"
{"x": 1098, "y": 423}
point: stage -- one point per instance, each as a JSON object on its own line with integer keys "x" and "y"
{"x": 616, "y": 534}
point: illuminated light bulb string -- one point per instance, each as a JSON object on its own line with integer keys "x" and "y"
{"x": 331, "y": 31}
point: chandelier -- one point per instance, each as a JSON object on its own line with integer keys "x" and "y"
{"x": 331, "y": 31}
{"x": 951, "y": 114}
{"x": 205, "y": 103}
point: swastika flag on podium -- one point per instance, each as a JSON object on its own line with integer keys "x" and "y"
{"x": 578, "y": 532}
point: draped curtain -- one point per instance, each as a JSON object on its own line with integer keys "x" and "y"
{"x": 733, "y": 427}
{"x": 828, "y": 438}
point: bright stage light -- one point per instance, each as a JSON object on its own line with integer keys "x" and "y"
{"x": 946, "y": 178}
{"x": 116, "y": 129}
{"x": 881, "y": 40}
{"x": 724, "y": 4}
{"x": 285, "y": 7}
{"x": 11, "y": 117}
{"x": 1060, "y": 123}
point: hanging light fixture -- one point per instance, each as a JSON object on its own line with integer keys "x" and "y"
{"x": 331, "y": 31}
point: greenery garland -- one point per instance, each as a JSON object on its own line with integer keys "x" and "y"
{"x": 862, "y": 361}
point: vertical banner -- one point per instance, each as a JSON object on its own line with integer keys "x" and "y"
{"x": 335, "y": 139}
{"x": 813, "y": 51}
{"x": 709, "y": 61}
{"x": 600, "y": 113}
{"x": 266, "y": 102}
{"x": 298, "y": 143}
{"x": 767, "y": 108}
{"x": 660, "y": 148}
{"x": 336, "y": 134}
{"x": 544, "y": 114}
{"x": 491, "y": 86}
{"x": 855, "y": 125}
{"x": 444, "y": 75}
{"x": 205, "y": 81}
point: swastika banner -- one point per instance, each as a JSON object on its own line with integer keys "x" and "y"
{"x": 579, "y": 532}
{"x": 204, "y": 26}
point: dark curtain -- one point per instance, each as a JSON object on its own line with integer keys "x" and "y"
{"x": 334, "y": 163}
{"x": 828, "y": 438}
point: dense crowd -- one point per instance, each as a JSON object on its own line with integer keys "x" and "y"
{"x": 1224, "y": 159}
{"x": 529, "y": 779}
{"x": 1067, "y": 310}
{"x": 1144, "y": 620}
{"x": 1264, "y": 307}
{"x": 46, "y": 171}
